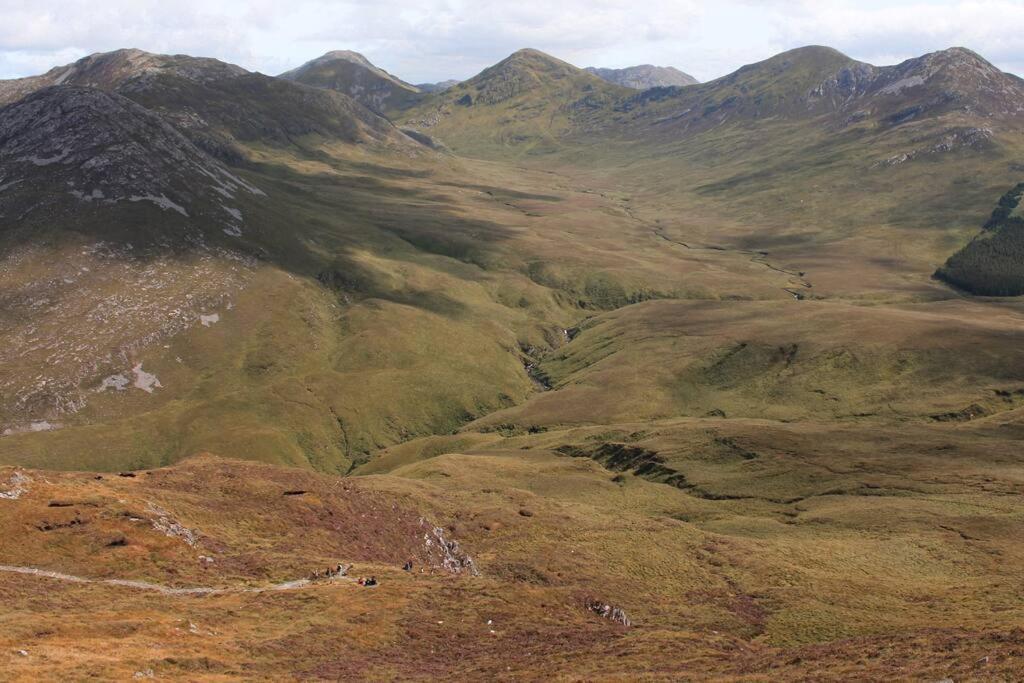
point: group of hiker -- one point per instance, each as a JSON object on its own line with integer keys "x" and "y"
{"x": 342, "y": 570}
{"x": 330, "y": 572}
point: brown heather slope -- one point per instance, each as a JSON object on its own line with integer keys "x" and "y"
{"x": 738, "y": 591}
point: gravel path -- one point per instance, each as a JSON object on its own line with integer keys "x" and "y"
{"x": 156, "y": 587}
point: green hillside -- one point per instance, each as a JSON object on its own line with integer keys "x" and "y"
{"x": 524, "y": 105}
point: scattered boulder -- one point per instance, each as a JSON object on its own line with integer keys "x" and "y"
{"x": 16, "y": 486}
{"x": 446, "y": 553}
{"x": 610, "y": 612}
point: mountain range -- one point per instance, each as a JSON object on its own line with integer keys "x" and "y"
{"x": 603, "y": 374}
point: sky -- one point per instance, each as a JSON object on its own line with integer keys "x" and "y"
{"x": 433, "y": 40}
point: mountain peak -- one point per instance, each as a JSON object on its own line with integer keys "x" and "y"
{"x": 644, "y": 76}
{"x": 535, "y": 60}
{"x": 336, "y": 60}
{"x": 530, "y": 65}
{"x": 954, "y": 58}
{"x": 348, "y": 56}
{"x": 812, "y": 52}
{"x": 352, "y": 73}
{"x": 531, "y": 53}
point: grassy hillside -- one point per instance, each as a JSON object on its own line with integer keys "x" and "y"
{"x": 523, "y": 105}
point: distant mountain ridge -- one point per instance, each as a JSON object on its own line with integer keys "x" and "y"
{"x": 440, "y": 86}
{"x": 644, "y": 76}
{"x": 815, "y": 81}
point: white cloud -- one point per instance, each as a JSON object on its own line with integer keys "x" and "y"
{"x": 887, "y": 32}
{"x": 436, "y": 39}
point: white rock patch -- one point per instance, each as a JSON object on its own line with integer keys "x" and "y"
{"x": 235, "y": 213}
{"x": 145, "y": 380}
{"x": 901, "y": 85}
{"x": 115, "y": 382}
{"x": 170, "y": 527}
{"x": 95, "y": 194}
{"x": 16, "y": 487}
{"x": 46, "y": 161}
{"x": 38, "y": 426}
{"x": 162, "y": 201}
{"x": 208, "y": 320}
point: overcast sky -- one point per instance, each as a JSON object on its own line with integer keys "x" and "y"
{"x": 432, "y": 40}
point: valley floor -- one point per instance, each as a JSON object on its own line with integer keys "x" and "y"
{"x": 795, "y": 463}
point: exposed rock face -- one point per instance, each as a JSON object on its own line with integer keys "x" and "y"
{"x": 445, "y": 553}
{"x": 64, "y": 146}
{"x": 644, "y": 76}
{"x": 954, "y": 79}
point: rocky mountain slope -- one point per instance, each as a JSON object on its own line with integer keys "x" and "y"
{"x": 102, "y": 149}
{"x": 816, "y": 81}
{"x": 353, "y": 74}
{"x": 118, "y": 233}
{"x": 644, "y": 76}
{"x": 221, "y": 107}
